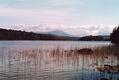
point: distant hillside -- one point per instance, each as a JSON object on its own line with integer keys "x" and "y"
{"x": 58, "y": 33}
{"x": 95, "y": 38}
{"x": 6, "y": 34}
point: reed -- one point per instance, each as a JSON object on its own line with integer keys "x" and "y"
{"x": 29, "y": 64}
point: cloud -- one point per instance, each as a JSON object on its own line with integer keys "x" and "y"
{"x": 70, "y": 12}
{"x": 34, "y": 16}
{"x": 39, "y": 4}
{"x": 77, "y": 17}
{"x": 6, "y": 11}
{"x": 73, "y": 30}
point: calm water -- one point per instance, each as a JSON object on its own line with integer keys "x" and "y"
{"x": 49, "y": 44}
{"x": 56, "y": 60}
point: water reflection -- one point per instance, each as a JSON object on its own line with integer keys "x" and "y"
{"x": 59, "y": 64}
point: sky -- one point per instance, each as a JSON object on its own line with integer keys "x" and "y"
{"x": 76, "y": 17}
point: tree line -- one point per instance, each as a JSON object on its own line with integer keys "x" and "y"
{"x": 114, "y": 36}
{"x": 9, "y": 34}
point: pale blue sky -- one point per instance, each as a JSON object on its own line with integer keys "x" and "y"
{"x": 73, "y": 13}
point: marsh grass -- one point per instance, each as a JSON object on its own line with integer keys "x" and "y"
{"x": 48, "y": 64}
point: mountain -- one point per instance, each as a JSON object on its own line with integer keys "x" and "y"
{"x": 9, "y": 34}
{"x": 58, "y": 33}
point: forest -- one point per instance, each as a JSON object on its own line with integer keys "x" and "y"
{"x": 9, "y": 34}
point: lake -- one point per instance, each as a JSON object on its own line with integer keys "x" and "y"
{"x": 58, "y": 60}
{"x": 49, "y": 44}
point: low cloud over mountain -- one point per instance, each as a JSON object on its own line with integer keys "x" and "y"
{"x": 71, "y": 30}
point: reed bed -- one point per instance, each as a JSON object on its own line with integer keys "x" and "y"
{"x": 41, "y": 63}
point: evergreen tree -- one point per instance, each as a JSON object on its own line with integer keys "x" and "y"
{"x": 115, "y": 36}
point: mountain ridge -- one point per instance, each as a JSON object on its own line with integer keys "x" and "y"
{"x": 9, "y": 34}
{"x": 58, "y": 33}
